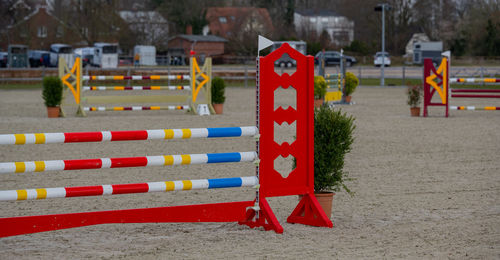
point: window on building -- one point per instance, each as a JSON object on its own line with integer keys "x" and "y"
{"x": 85, "y": 31}
{"x": 324, "y": 19}
{"x": 232, "y": 18}
{"x": 312, "y": 19}
{"x": 222, "y": 19}
{"x": 42, "y": 32}
{"x": 59, "y": 32}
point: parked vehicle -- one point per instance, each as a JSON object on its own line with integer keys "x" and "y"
{"x": 427, "y": 50}
{"x": 17, "y": 56}
{"x": 147, "y": 54}
{"x": 332, "y": 58}
{"x": 381, "y": 57}
{"x": 105, "y": 55}
{"x": 86, "y": 54}
{"x": 38, "y": 58}
{"x": 61, "y": 50}
{"x": 3, "y": 59}
{"x": 285, "y": 60}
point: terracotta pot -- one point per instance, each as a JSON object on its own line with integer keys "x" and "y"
{"x": 415, "y": 111}
{"x": 348, "y": 99}
{"x": 53, "y": 112}
{"x": 218, "y": 108}
{"x": 325, "y": 199}
{"x": 318, "y": 102}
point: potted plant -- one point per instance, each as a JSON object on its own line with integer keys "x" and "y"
{"x": 52, "y": 92}
{"x": 319, "y": 90}
{"x": 333, "y": 137}
{"x": 414, "y": 93}
{"x": 218, "y": 98}
{"x": 351, "y": 82}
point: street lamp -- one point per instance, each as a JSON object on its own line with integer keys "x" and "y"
{"x": 382, "y": 8}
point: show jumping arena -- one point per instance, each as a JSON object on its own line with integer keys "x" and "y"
{"x": 424, "y": 187}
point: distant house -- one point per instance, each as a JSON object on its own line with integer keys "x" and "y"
{"x": 151, "y": 28}
{"x": 38, "y": 30}
{"x": 340, "y": 28}
{"x": 180, "y": 46}
{"x": 229, "y": 22}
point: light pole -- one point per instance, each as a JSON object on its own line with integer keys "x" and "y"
{"x": 382, "y": 7}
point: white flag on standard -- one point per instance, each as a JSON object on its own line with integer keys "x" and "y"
{"x": 264, "y": 42}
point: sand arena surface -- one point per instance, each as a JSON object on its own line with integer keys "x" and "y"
{"x": 425, "y": 187}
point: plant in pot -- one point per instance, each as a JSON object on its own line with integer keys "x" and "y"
{"x": 351, "y": 82}
{"x": 217, "y": 89}
{"x": 319, "y": 90}
{"x": 52, "y": 92}
{"x": 414, "y": 93}
{"x": 333, "y": 137}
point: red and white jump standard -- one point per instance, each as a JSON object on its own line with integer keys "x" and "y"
{"x": 267, "y": 181}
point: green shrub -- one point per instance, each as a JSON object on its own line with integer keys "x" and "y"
{"x": 52, "y": 91}
{"x": 218, "y": 88}
{"x": 351, "y": 82}
{"x": 333, "y": 137}
{"x": 319, "y": 87}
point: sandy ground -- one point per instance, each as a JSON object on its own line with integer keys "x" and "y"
{"x": 425, "y": 187}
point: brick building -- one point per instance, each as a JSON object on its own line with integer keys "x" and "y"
{"x": 202, "y": 45}
{"x": 38, "y": 31}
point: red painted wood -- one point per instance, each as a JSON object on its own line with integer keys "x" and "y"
{"x": 84, "y": 191}
{"x": 220, "y": 212}
{"x": 129, "y": 162}
{"x": 129, "y": 135}
{"x": 82, "y": 137}
{"x": 82, "y": 164}
{"x": 130, "y": 188}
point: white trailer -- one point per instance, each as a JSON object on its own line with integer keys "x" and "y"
{"x": 105, "y": 55}
{"x": 147, "y": 54}
{"x": 427, "y": 50}
{"x": 61, "y": 50}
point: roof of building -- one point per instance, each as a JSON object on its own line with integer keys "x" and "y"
{"x": 236, "y": 18}
{"x": 200, "y": 38}
{"x": 317, "y": 12}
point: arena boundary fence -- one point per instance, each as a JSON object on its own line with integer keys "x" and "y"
{"x": 267, "y": 181}
{"x": 445, "y": 92}
{"x": 200, "y": 85}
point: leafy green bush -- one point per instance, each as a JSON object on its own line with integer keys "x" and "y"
{"x": 218, "y": 88}
{"x": 351, "y": 82}
{"x": 319, "y": 87}
{"x": 333, "y": 137}
{"x": 414, "y": 95}
{"x": 52, "y": 91}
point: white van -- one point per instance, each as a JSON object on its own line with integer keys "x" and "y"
{"x": 105, "y": 55}
{"x": 147, "y": 54}
{"x": 61, "y": 50}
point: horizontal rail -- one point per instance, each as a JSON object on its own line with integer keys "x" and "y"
{"x": 135, "y": 108}
{"x": 114, "y": 189}
{"x": 126, "y": 162}
{"x": 475, "y": 80}
{"x": 475, "y": 90}
{"x": 138, "y": 77}
{"x": 118, "y": 88}
{"x": 473, "y": 108}
{"x": 112, "y": 136}
{"x": 474, "y": 96}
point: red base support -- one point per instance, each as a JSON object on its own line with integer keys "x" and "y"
{"x": 309, "y": 212}
{"x": 265, "y": 219}
{"x": 218, "y": 212}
